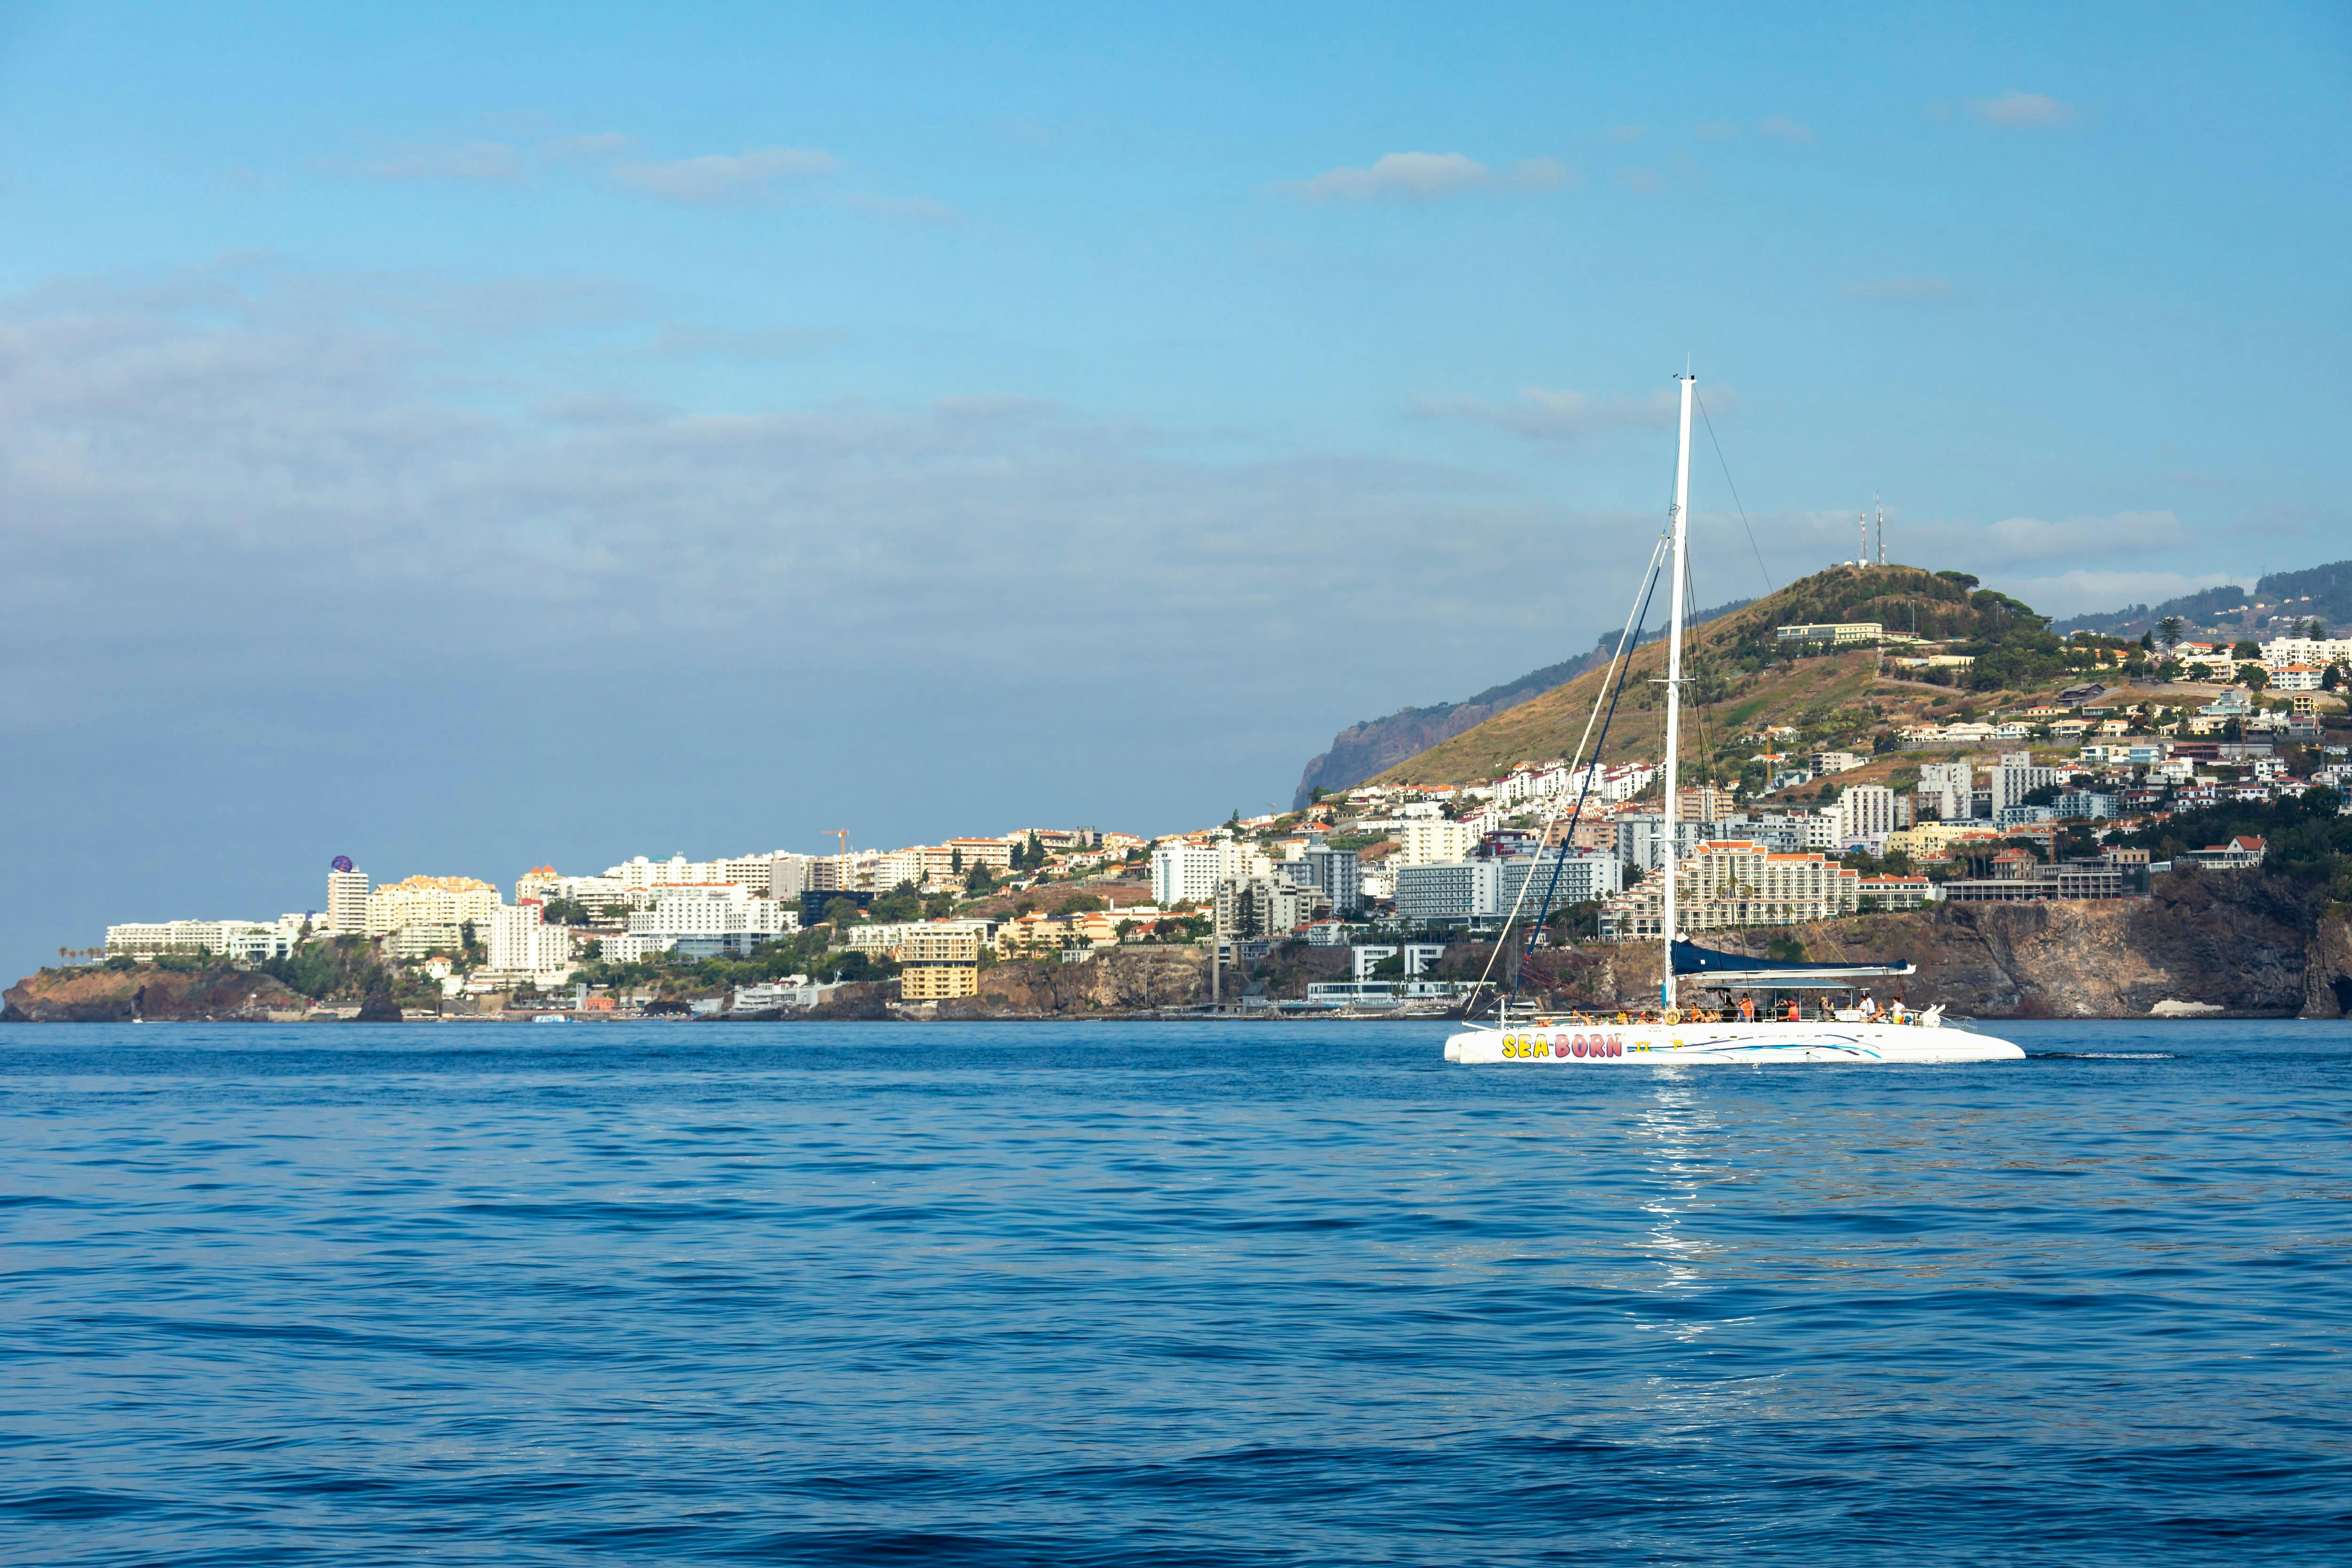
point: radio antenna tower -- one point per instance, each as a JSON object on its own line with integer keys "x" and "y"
{"x": 1882, "y": 527}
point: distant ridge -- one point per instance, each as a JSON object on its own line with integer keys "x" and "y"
{"x": 1361, "y": 750}
{"x": 2230, "y": 608}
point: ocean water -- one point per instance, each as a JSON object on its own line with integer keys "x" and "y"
{"x": 1180, "y": 1294}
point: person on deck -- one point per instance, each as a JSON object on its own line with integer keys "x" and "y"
{"x": 1870, "y": 1009}
{"x": 1747, "y": 1009}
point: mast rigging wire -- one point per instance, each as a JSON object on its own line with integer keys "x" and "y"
{"x": 1769, "y": 583}
{"x": 1560, "y": 861}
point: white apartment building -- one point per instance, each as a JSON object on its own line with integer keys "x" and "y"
{"x": 788, "y": 875}
{"x": 522, "y": 943}
{"x": 1582, "y": 879}
{"x": 994, "y": 853}
{"x": 756, "y": 872}
{"x": 545, "y": 883}
{"x": 240, "y": 942}
{"x": 1182, "y": 872}
{"x": 1948, "y": 787}
{"x": 2279, "y": 652}
{"x": 1266, "y": 905}
{"x": 896, "y": 865}
{"x": 893, "y": 936}
{"x": 1433, "y": 841}
{"x": 1448, "y": 891}
{"x": 347, "y": 902}
{"x": 430, "y": 901}
{"x": 1188, "y": 870}
{"x": 2017, "y": 777}
{"x": 1865, "y": 810}
{"x": 1642, "y": 840}
{"x": 726, "y": 909}
{"x": 1731, "y": 883}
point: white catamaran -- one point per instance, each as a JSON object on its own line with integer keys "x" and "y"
{"x": 1763, "y": 1010}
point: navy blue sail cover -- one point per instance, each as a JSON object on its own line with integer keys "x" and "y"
{"x": 1692, "y": 959}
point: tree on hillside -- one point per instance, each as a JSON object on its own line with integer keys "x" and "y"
{"x": 2169, "y": 631}
{"x": 977, "y": 880}
{"x": 900, "y": 904}
{"x": 2247, "y": 650}
{"x": 2253, "y": 675}
{"x": 840, "y": 912}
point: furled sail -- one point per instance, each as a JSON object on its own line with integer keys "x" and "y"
{"x": 1707, "y": 964}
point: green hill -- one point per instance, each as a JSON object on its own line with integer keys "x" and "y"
{"x": 1740, "y": 681}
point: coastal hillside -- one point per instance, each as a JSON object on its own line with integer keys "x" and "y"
{"x": 1362, "y": 750}
{"x": 1739, "y": 683}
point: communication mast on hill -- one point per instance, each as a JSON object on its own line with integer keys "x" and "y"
{"x": 1882, "y": 527}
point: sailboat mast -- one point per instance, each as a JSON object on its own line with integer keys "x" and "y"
{"x": 1674, "y": 687}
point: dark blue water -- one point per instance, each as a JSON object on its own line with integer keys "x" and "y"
{"x": 1129, "y": 1294}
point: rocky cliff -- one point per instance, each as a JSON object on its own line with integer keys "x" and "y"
{"x": 2251, "y": 945}
{"x": 115, "y": 996}
{"x": 1128, "y": 980}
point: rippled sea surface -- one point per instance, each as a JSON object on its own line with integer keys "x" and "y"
{"x": 1192, "y": 1293}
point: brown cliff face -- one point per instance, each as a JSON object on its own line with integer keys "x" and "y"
{"x": 2250, "y": 944}
{"x": 2246, "y": 943}
{"x": 116, "y": 996}
{"x": 1128, "y": 980}
{"x": 2327, "y": 972}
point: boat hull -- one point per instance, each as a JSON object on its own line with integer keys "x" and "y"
{"x": 1730, "y": 1043}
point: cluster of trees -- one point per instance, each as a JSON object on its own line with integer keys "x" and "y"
{"x": 809, "y": 953}
{"x": 572, "y": 912}
{"x": 346, "y": 969}
{"x": 2308, "y": 840}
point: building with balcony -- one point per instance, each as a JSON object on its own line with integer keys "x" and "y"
{"x": 1728, "y": 884}
{"x": 430, "y": 901}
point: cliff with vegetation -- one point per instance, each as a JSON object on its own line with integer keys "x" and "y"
{"x": 96, "y": 994}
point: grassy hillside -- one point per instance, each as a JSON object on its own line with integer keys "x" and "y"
{"x": 1739, "y": 683}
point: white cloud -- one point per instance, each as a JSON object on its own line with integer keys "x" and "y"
{"x": 2023, "y": 110}
{"x": 1426, "y": 177}
{"x": 1628, "y": 132}
{"x": 478, "y": 160}
{"x": 1786, "y": 129}
{"x": 726, "y": 177}
{"x": 1545, "y": 414}
{"x": 1716, "y": 131}
{"x": 295, "y": 488}
{"x": 2088, "y": 590}
{"x": 1639, "y": 179}
{"x": 2019, "y": 539}
{"x": 1899, "y": 289}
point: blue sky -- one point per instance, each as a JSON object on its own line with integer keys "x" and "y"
{"x": 468, "y": 438}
